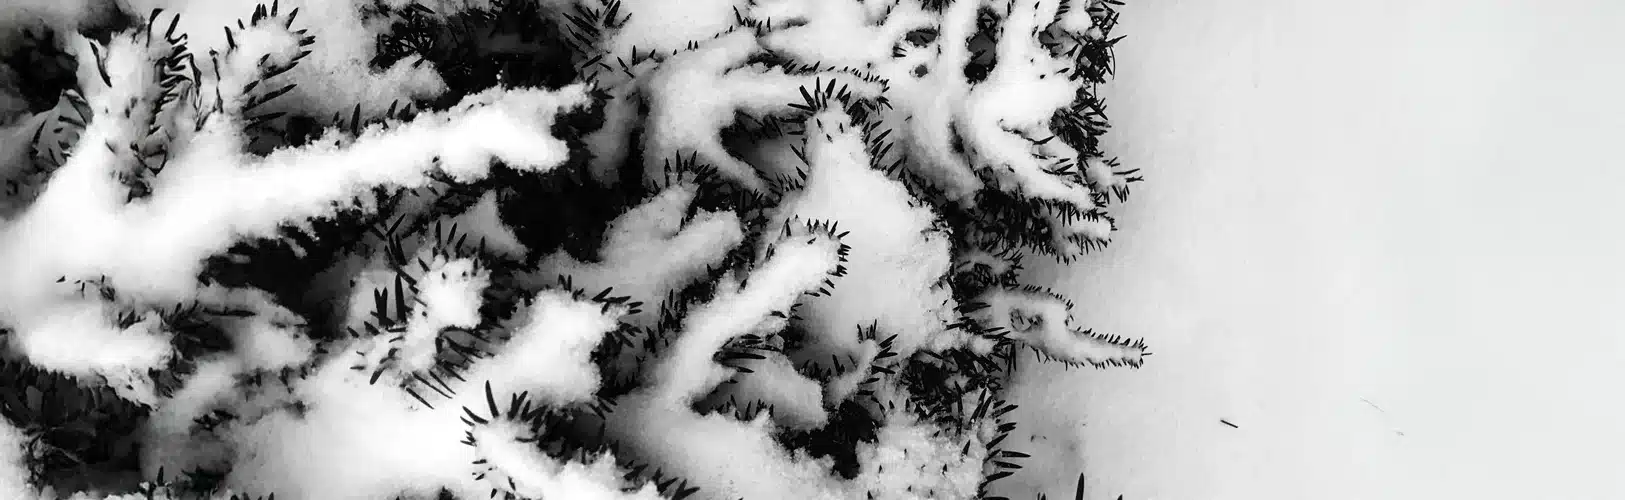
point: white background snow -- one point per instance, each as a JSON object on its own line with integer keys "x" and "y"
{"x": 1383, "y": 238}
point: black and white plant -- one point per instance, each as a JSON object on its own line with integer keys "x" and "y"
{"x": 375, "y": 249}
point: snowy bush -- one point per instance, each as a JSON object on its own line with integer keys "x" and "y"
{"x": 631, "y": 249}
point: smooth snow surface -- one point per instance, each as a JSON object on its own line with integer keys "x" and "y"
{"x": 1381, "y": 238}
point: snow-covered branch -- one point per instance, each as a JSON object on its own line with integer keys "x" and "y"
{"x": 617, "y": 249}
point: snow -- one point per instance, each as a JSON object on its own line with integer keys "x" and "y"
{"x": 842, "y": 33}
{"x": 904, "y": 463}
{"x": 1101, "y": 176}
{"x": 402, "y": 445}
{"x": 82, "y": 233}
{"x": 516, "y": 467}
{"x": 663, "y": 27}
{"x": 725, "y": 457}
{"x": 1294, "y": 341}
{"x": 1077, "y": 19}
{"x": 155, "y": 248}
{"x": 326, "y": 452}
{"x": 650, "y": 251}
{"x": 550, "y": 356}
{"x": 336, "y": 76}
{"x": 683, "y": 121}
{"x": 795, "y": 267}
{"x": 728, "y": 458}
{"x": 448, "y": 296}
{"x": 797, "y": 402}
{"x": 1321, "y": 256}
{"x": 79, "y": 229}
{"x": 165, "y": 431}
{"x": 895, "y": 248}
{"x": 79, "y": 337}
{"x": 482, "y": 223}
{"x": 270, "y": 339}
{"x": 1044, "y": 322}
{"x": 680, "y": 118}
{"x": 844, "y": 385}
{"x": 928, "y": 103}
{"x": 1006, "y": 113}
